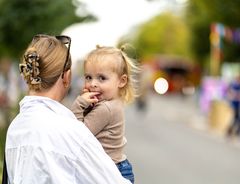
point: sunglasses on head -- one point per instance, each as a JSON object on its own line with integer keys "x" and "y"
{"x": 63, "y": 39}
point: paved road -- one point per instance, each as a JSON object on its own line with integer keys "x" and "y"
{"x": 164, "y": 148}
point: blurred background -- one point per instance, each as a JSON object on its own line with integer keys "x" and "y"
{"x": 178, "y": 129}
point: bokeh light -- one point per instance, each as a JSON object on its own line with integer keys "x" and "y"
{"x": 161, "y": 86}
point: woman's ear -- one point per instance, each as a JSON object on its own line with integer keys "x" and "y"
{"x": 67, "y": 77}
{"x": 123, "y": 81}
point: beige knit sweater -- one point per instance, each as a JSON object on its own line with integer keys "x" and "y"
{"x": 106, "y": 121}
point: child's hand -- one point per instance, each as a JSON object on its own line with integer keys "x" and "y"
{"x": 90, "y": 97}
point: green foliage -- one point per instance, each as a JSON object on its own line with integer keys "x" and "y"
{"x": 21, "y": 19}
{"x": 200, "y": 14}
{"x": 164, "y": 34}
{"x": 3, "y": 132}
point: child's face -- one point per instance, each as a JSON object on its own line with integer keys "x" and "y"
{"x": 99, "y": 77}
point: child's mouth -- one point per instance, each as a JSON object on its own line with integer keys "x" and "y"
{"x": 98, "y": 96}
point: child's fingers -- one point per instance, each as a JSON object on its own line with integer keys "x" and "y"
{"x": 94, "y": 100}
{"x": 93, "y": 94}
{"x": 85, "y": 90}
{"x": 91, "y": 97}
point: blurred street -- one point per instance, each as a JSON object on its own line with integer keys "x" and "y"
{"x": 181, "y": 46}
{"x": 169, "y": 143}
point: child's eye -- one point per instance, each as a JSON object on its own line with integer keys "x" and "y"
{"x": 102, "y": 78}
{"x": 87, "y": 77}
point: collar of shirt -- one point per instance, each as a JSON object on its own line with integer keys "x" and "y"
{"x": 31, "y": 101}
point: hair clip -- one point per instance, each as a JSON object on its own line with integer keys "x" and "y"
{"x": 22, "y": 66}
{"x": 36, "y": 80}
{"x": 30, "y": 68}
{"x": 30, "y": 57}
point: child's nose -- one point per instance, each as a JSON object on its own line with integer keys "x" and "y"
{"x": 94, "y": 83}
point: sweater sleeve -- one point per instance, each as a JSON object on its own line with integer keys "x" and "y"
{"x": 98, "y": 118}
{"x": 78, "y": 107}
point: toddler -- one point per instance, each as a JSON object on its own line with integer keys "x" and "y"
{"x": 109, "y": 84}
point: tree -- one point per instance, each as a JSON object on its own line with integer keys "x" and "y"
{"x": 21, "y": 19}
{"x": 200, "y": 14}
{"x": 163, "y": 34}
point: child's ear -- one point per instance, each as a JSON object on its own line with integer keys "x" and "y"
{"x": 123, "y": 81}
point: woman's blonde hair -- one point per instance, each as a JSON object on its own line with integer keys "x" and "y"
{"x": 43, "y": 62}
{"x": 122, "y": 65}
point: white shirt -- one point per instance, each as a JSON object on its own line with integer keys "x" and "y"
{"x": 46, "y": 144}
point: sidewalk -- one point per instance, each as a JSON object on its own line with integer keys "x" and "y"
{"x": 190, "y": 113}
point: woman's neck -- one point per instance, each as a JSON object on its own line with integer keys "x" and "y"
{"x": 47, "y": 93}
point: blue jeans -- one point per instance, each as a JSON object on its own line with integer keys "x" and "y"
{"x": 125, "y": 168}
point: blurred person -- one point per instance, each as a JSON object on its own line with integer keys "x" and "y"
{"x": 45, "y": 142}
{"x": 233, "y": 95}
{"x": 144, "y": 79}
{"x": 109, "y": 83}
{"x": 4, "y": 81}
{"x": 9, "y": 89}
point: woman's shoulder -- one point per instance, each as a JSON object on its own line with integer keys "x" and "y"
{"x": 64, "y": 129}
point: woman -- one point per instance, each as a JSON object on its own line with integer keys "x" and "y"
{"x": 45, "y": 142}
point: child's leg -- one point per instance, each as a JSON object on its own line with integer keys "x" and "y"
{"x": 125, "y": 168}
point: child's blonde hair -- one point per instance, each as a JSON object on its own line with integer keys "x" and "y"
{"x": 122, "y": 65}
